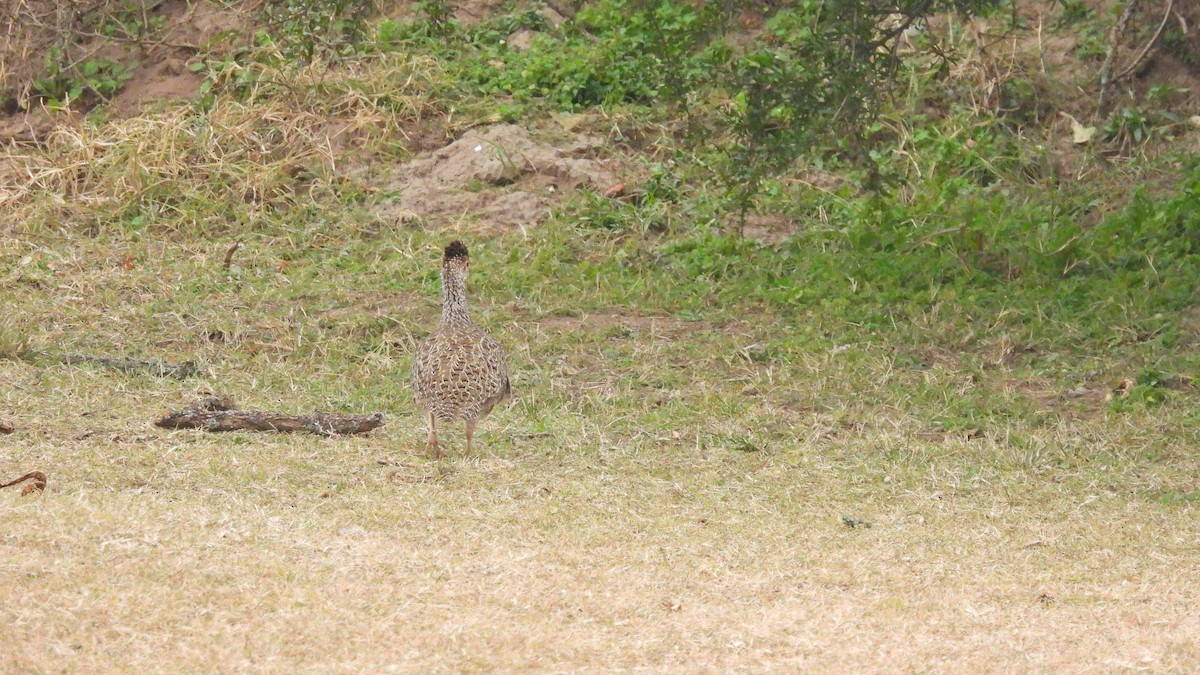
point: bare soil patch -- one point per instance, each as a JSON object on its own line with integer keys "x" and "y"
{"x": 41, "y": 34}
{"x": 504, "y": 175}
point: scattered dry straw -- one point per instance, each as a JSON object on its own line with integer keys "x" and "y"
{"x": 279, "y": 136}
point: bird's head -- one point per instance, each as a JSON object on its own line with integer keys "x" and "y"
{"x": 456, "y": 260}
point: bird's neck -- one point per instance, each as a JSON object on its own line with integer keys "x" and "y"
{"x": 454, "y": 301}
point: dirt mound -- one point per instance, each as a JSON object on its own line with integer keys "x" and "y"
{"x": 500, "y": 174}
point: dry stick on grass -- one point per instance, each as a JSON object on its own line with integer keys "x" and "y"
{"x": 179, "y": 371}
{"x": 38, "y": 484}
{"x": 218, "y": 413}
{"x": 229, "y": 254}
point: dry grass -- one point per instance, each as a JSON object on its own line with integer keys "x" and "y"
{"x": 279, "y": 144}
{"x": 164, "y": 551}
{"x": 654, "y": 499}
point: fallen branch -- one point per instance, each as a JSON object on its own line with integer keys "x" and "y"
{"x": 38, "y": 484}
{"x": 218, "y": 413}
{"x": 179, "y": 371}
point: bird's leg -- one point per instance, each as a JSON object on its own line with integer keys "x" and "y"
{"x": 431, "y": 444}
{"x": 470, "y": 433}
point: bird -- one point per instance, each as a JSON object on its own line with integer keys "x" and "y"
{"x": 458, "y": 371}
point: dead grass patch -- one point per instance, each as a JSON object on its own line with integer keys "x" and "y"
{"x": 665, "y": 560}
{"x": 265, "y": 152}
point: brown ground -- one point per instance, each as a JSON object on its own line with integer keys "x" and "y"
{"x": 501, "y": 174}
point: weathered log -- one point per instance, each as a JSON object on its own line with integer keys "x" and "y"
{"x": 218, "y": 413}
{"x": 179, "y": 371}
{"x": 38, "y": 484}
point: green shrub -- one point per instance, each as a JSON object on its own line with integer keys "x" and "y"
{"x": 88, "y": 83}
{"x": 304, "y": 30}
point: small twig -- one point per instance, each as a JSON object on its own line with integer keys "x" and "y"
{"x": 218, "y": 413}
{"x": 229, "y": 253}
{"x": 1137, "y": 61}
{"x": 38, "y": 484}
{"x": 179, "y": 371}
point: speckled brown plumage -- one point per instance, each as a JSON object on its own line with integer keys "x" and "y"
{"x": 458, "y": 372}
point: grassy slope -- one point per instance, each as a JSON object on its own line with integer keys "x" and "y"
{"x": 666, "y": 491}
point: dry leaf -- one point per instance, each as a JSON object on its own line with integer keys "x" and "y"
{"x": 570, "y": 122}
{"x": 1079, "y": 133}
{"x": 1123, "y": 387}
{"x": 615, "y": 191}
